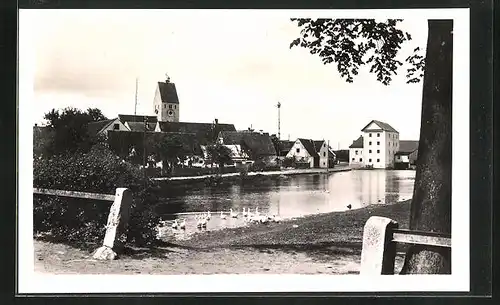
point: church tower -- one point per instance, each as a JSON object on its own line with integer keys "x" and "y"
{"x": 166, "y": 101}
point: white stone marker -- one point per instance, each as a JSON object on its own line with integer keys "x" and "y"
{"x": 116, "y": 226}
{"x": 378, "y": 252}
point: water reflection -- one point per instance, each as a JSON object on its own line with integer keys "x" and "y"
{"x": 293, "y": 196}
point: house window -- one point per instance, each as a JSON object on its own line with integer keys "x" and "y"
{"x": 356, "y": 152}
{"x": 116, "y": 126}
{"x": 370, "y": 151}
{"x": 164, "y": 105}
{"x": 169, "y": 106}
{"x": 360, "y": 159}
{"x": 370, "y": 135}
{"x": 175, "y": 106}
{"x": 369, "y": 160}
{"x": 378, "y": 160}
{"x": 378, "y": 135}
{"x": 378, "y": 151}
{"x": 324, "y": 154}
{"x": 378, "y": 143}
{"x": 298, "y": 150}
{"x": 370, "y": 143}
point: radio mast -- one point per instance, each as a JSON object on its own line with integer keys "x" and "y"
{"x": 136, "y": 86}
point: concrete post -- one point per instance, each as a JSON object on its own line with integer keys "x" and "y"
{"x": 379, "y": 252}
{"x": 116, "y": 226}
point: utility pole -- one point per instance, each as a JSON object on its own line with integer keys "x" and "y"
{"x": 136, "y": 87}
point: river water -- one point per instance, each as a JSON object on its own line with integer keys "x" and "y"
{"x": 293, "y": 196}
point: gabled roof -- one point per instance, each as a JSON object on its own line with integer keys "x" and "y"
{"x": 258, "y": 144}
{"x": 407, "y": 146}
{"x": 168, "y": 92}
{"x": 206, "y": 133}
{"x": 93, "y": 128}
{"x": 383, "y": 126}
{"x": 357, "y": 143}
{"x": 139, "y": 126}
{"x": 310, "y": 146}
{"x": 318, "y": 144}
{"x": 136, "y": 118}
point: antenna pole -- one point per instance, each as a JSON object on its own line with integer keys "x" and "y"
{"x": 279, "y": 123}
{"x": 136, "y": 86}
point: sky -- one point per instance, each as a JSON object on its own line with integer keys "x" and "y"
{"x": 233, "y": 66}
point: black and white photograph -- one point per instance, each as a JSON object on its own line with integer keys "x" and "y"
{"x": 215, "y": 150}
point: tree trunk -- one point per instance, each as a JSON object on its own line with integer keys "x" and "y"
{"x": 431, "y": 203}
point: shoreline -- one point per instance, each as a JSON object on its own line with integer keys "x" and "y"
{"x": 288, "y": 172}
{"x": 328, "y": 243}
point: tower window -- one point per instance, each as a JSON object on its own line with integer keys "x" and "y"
{"x": 378, "y": 135}
{"x": 378, "y": 160}
{"x": 370, "y": 135}
{"x": 298, "y": 150}
{"x": 164, "y": 105}
{"x": 175, "y": 106}
{"x": 360, "y": 159}
{"x": 169, "y": 106}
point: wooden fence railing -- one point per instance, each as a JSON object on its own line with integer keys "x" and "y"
{"x": 380, "y": 237}
{"x": 117, "y": 219}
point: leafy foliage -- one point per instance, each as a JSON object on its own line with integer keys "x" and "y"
{"x": 289, "y": 162}
{"x": 352, "y": 43}
{"x": 219, "y": 154}
{"x": 68, "y": 129}
{"x": 81, "y": 221}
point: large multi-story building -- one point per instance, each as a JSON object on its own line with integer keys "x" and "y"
{"x": 376, "y": 146}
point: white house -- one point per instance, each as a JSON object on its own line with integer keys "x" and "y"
{"x": 316, "y": 153}
{"x": 101, "y": 127}
{"x": 356, "y": 153}
{"x": 376, "y": 147}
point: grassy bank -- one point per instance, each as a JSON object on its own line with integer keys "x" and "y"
{"x": 327, "y": 243}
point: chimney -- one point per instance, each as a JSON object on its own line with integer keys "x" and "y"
{"x": 216, "y": 121}
{"x": 36, "y": 124}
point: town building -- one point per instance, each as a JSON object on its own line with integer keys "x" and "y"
{"x": 406, "y": 157}
{"x": 379, "y": 146}
{"x": 101, "y": 128}
{"x": 257, "y": 145}
{"x": 166, "y": 102}
{"x": 316, "y": 153}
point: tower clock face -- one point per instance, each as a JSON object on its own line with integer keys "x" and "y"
{"x": 170, "y": 113}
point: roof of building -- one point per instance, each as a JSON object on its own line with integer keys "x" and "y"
{"x": 407, "y": 146}
{"x": 93, "y": 128}
{"x": 284, "y": 147}
{"x": 139, "y": 126}
{"x": 136, "y": 118}
{"x": 206, "y": 133}
{"x": 117, "y": 138}
{"x": 168, "y": 92}
{"x": 310, "y": 146}
{"x": 255, "y": 143}
{"x": 383, "y": 126}
{"x": 358, "y": 143}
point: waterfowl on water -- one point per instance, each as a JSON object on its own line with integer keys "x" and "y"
{"x": 208, "y": 215}
{"x": 222, "y": 215}
{"x": 245, "y": 213}
{"x": 349, "y": 206}
{"x": 276, "y": 218}
{"x": 233, "y": 214}
{"x": 182, "y": 225}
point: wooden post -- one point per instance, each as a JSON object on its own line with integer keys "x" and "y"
{"x": 116, "y": 226}
{"x": 379, "y": 252}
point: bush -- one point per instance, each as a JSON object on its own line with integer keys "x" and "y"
{"x": 82, "y": 221}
